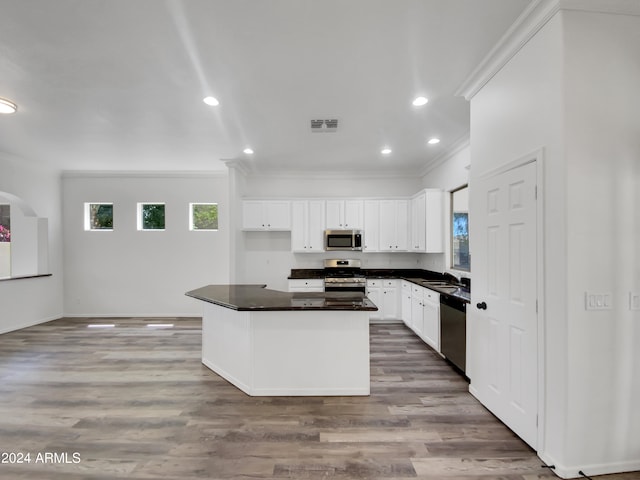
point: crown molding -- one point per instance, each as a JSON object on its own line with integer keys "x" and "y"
{"x": 143, "y": 174}
{"x": 459, "y": 145}
{"x": 526, "y": 26}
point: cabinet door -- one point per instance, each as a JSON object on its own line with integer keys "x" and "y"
{"x": 335, "y": 215}
{"x": 298, "y": 226}
{"x": 278, "y": 215}
{"x": 253, "y": 215}
{"x": 418, "y": 223}
{"x": 431, "y": 319}
{"x": 394, "y": 225}
{"x": 371, "y": 225}
{"x": 389, "y": 303}
{"x": 434, "y": 216}
{"x": 402, "y": 225}
{"x": 315, "y": 226}
{"x": 387, "y": 225}
{"x": 416, "y": 312}
{"x": 405, "y": 303}
{"x": 353, "y": 214}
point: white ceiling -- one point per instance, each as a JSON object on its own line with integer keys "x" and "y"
{"x": 118, "y": 84}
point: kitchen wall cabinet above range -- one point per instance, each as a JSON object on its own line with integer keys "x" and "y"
{"x": 307, "y": 232}
{"x": 272, "y": 215}
{"x": 345, "y": 214}
{"x": 427, "y": 217}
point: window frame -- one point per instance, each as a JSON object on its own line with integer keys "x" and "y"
{"x": 140, "y": 217}
{"x": 452, "y": 236}
{"x": 88, "y": 224}
{"x": 192, "y": 227}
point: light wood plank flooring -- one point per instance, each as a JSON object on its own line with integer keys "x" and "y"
{"x": 135, "y": 402}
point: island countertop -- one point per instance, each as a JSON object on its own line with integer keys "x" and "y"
{"x": 257, "y": 298}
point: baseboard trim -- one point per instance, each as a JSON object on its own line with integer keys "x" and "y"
{"x": 132, "y": 315}
{"x": 29, "y": 324}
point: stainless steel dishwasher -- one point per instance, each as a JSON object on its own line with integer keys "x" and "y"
{"x": 453, "y": 330}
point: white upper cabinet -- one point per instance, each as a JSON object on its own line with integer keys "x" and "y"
{"x": 345, "y": 214}
{"x": 266, "y": 215}
{"x": 371, "y": 231}
{"x": 307, "y": 232}
{"x": 394, "y": 225}
{"x": 419, "y": 223}
{"x": 427, "y": 217}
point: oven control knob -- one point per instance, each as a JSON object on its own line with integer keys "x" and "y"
{"x": 481, "y": 306}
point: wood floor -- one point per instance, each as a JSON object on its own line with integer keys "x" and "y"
{"x": 135, "y": 402}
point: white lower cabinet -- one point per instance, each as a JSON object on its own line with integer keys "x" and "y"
{"x": 431, "y": 318}
{"x": 405, "y": 302}
{"x": 384, "y": 294}
{"x": 417, "y": 310}
{"x": 425, "y": 315}
{"x": 306, "y": 285}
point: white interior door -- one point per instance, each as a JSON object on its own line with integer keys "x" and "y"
{"x": 502, "y": 319}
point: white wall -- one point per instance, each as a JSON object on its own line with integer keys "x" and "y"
{"x": 126, "y": 272}
{"x": 30, "y": 301}
{"x": 603, "y": 236}
{"x": 572, "y": 90}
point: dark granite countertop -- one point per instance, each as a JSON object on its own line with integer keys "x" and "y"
{"x": 256, "y": 298}
{"x": 414, "y": 275}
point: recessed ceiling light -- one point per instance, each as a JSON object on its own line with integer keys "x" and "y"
{"x": 7, "y": 106}
{"x": 385, "y": 151}
{"x": 212, "y": 101}
{"x": 248, "y": 151}
{"x": 420, "y": 101}
{"x": 433, "y": 141}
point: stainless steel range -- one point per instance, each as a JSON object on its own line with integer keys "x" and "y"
{"x": 344, "y": 276}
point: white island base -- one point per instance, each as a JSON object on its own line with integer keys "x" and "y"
{"x": 288, "y": 353}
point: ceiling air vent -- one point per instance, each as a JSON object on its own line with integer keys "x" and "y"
{"x": 324, "y": 126}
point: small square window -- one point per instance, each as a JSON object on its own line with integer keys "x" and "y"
{"x": 151, "y": 216}
{"x": 98, "y": 216}
{"x": 203, "y": 216}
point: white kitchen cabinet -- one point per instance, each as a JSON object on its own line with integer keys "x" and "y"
{"x": 266, "y": 215}
{"x": 394, "y": 225}
{"x": 345, "y": 214}
{"x": 306, "y": 285}
{"x": 390, "y": 310}
{"x": 417, "y": 310}
{"x": 307, "y": 230}
{"x": 434, "y": 213}
{"x": 431, "y": 318}
{"x": 371, "y": 230}
{"x": 374, "y": 292}
{"x": 384, "y": 294}
{"x": 427, "y": 217}
{"x": 405, "y": 302}
{"x": 419, "y": 223}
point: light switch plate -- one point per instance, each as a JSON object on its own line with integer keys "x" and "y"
{"x": 634, "y": 301}
{"x": 598, "y": 301}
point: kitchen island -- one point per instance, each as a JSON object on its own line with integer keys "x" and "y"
{"x": 267, "y": 342}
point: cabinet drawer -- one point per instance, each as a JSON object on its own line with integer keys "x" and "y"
{"x": 306, "y": 284}
{"x": 390, "y": 283}
{"x": 432, "y": 296}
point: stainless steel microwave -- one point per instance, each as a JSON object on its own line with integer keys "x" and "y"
{"x": 343, "y": 240}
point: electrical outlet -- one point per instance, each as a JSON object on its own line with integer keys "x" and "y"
{"x": 634, "y": 301}
{"x": 598, "y": 301}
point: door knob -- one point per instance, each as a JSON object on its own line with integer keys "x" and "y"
{"x": 481, "y": 306}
